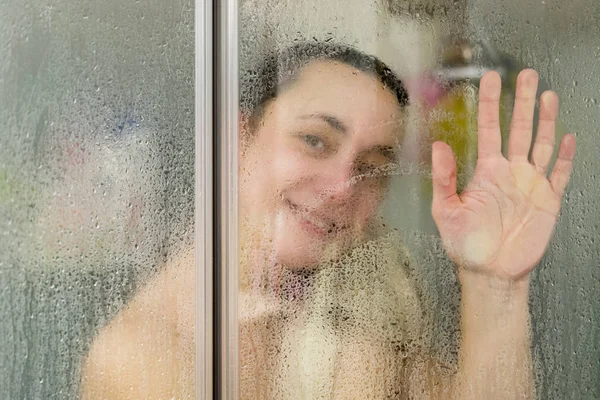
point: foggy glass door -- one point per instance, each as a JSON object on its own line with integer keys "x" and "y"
{"x": 563, "y": 44}
{"x": 342, "y": 277}
{"x": 97, "y": 199}
{"x": 332, "y": 279}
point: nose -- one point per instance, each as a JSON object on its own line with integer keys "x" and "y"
{"x": 337, "y": 183}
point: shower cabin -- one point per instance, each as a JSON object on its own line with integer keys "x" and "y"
{"x": 120, "y": 149}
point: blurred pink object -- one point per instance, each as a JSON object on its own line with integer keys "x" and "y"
{"x": 426, "y": 89}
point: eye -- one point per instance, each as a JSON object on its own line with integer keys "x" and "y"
{"x": 376, "y": 164}
{"x": 365, "y": 168}
{"x": 375, "y": 171}
{"x": 314, "y": 142}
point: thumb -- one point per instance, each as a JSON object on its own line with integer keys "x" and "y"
{"x": 444, "y": 178}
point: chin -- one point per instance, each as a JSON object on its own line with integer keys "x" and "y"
{"x": 298, "y": 257}
{"x": 298, "y": 245}
{"x": 298, "y": 251}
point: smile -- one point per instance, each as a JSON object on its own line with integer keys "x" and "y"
{"x": 314, "y": 223}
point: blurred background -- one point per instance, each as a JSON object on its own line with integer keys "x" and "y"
{"x": 96, "y": 173}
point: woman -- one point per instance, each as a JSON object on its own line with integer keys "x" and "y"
{"x": 328, "y": 307}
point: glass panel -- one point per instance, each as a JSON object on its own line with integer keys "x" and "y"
{"x": 563, "y": 44}
{"x": 349, "y": 287}
{"x": 97, "y": 199}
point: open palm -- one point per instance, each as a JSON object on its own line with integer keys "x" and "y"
{"x": 502, "y": 222}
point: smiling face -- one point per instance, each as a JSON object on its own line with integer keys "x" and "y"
{"x": 309, "y": 181}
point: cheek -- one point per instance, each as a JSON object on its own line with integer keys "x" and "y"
{"x": 290, "y": 169}
{"x": 368, "y": 201}
{"x": 270, "y": 172}
{"x": 254, "y": 184}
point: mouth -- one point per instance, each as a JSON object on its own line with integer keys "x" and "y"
{"x": 317, "y": 224}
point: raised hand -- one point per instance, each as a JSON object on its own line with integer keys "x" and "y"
{"x": 502, "y": 222}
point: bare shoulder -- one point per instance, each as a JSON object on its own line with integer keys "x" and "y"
{"x": 147, "y": 350}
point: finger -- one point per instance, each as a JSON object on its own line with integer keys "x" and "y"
{"x": 564, "y": 164}
{"x": 444, "y": 179}
{"x": 521, "y": 127}
{"x": 489, "y": 141}
{"x": 544, "y": 141}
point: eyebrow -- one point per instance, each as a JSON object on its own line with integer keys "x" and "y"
{"x": 332, "y": 121}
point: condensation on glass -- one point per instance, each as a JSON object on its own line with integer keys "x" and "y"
{"x": 563, "y": 44}
{"x": 96, "y": 193}
{"x": 344, "y": 284}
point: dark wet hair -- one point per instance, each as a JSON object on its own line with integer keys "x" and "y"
{"x": 278, "y": 70}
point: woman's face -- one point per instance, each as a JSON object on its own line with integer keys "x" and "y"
{"x": 307, "y": 190}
